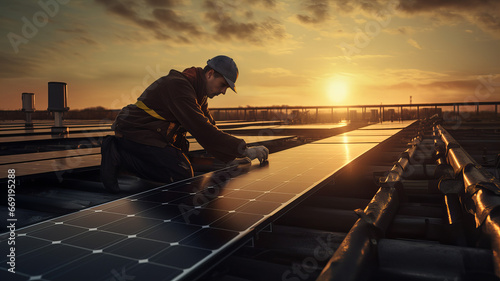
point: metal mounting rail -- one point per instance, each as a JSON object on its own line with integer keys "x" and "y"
{"x": 479, "y": 191}
{"x": 358, "y": 250}
{"x": 359, "y": 253}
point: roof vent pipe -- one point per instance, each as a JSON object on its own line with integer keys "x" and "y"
{"x": 28, "y": 100}
{"x": 58, "y": 105}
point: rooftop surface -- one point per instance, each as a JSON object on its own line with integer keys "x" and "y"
{"x": 210, "y": 226}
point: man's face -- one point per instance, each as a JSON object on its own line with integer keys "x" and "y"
{"x": 215, "y": 85}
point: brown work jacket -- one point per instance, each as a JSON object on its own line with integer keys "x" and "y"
{"x": 179, "y": 99}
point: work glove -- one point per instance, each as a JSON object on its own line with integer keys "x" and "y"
{"x": 240, "y": 161}
{"x": 260, "y": 152}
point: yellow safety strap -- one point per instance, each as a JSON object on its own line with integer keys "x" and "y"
{"x": 148, "y": 110}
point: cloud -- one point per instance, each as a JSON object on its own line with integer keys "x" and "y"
{"x": 163, "y": 3}
{"x": 356, "y": 57}
{"x": 412, "y": 75}
{"x": 87, "y": 40}
{"x": 273, "y": 71}
{"x": 122, "y": 8}
{"x": 222, "y": 20}
{"x": 172, "y": 20}
{"x": 415, "y": 6}
{"x": 81, "y": 35}
{"x": 407, "y": 30}
{"x": 488, "y": 20}
{"x": 266, "y": 3}
{"x": 483, "y": 13}
{"x": 128, "y": 9}
{"x": 323, "y": 11}
{"x": 414, "y": 43}
{"x": 277, "y": 77}
{"x": 449, "y": 90}
{"x": 17, "y": 66}
{"x": 318, "y": 12}
{"x": 453, "y": 84}
{"x": 76, "y": 30}
{"x": 467, "y": 89}
{"x": 480, "y": 86}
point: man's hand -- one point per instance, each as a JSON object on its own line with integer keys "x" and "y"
{"x": 260, "y": 152}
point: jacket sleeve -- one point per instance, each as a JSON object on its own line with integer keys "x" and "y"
{"x": 204, "y": 108}
{"x": 183, "y": 105}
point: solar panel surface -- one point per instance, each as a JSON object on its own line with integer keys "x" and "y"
{"x": 171, "y": 231}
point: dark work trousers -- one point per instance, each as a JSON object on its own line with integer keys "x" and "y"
{"x": 167, "y": 164}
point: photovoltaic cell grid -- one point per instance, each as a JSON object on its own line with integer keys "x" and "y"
{"x": 168, "y": 233}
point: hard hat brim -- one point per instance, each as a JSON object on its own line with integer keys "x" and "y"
{"x": 231, "y": 84}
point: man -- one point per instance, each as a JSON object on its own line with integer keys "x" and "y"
{"x": 150, "y": 135}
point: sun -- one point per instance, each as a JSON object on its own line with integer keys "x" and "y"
{"x": 338, "y": 90}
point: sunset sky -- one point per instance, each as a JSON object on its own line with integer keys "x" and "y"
{"x": 335, "y": 52}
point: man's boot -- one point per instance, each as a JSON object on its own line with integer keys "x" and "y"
{"x": 110, "y": 164}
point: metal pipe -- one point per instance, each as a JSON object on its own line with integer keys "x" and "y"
{"x": 439, "y": 144}
{"x": 492, "y": 227}
{"x": 474, "y": 175}
{"x": 415, "y": 141}
{"x": 482, "y": 197}
{"x": 449, "y": 141}
{"x": 443, "y": 169}
{"x": 358, "y": 250}
{"x": 420, "y": 171}
{"x": 408, "y": 153}
{"x": 412, "y": 161}
{"x": 458, "y": 159}
{"x": 401, "y": 165}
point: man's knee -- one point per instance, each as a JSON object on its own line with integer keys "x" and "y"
{"x": 185, "y": 170}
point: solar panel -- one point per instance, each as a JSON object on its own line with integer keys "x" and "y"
{"x": 249, "y": 128}
{"x": 387, "y": 125}
{"x": 47, "y": 130}
{"x": 30, "y": 157}
{"x": 342, "y": 138}
{"x": 314, "y": 126}
{"x": 54, "y": 165}
{"x": 372, "y": 132}
{"x": 195, "y": 146}
{"x": 96, "y": 135}
{"x": 225, "y": 125}
{"x": 39, "y": 163}
{"x": 170, "y": 232}
{"x": 289, "y": 127}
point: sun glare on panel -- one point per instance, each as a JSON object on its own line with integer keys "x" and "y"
{"x": 338, "y": 89}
